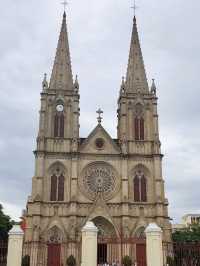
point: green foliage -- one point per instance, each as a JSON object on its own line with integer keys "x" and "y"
{"x": 127, "y": 261}
{"x": 170, "y": 261}
{"x": 189, "y": 234}
{"x": 71, "y": 261}
{"x": 5, "y": 224}
{"x": 26, "y": 261}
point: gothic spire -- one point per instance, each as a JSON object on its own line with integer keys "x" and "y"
{"x": 61, "y": 77}
{"x": 136, "y": 75}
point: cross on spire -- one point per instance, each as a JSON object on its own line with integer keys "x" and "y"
{"x": 134, "y": 7}
{"x": 64, "y": 3}
{"x": 99, "y": 118}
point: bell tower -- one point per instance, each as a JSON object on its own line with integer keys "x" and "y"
{"x": 59, "y": 114}
{"x": 137, "y": 104}
{"x": 59, "y": 119}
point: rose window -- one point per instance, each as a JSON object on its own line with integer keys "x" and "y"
{"x": 99, "y": 178}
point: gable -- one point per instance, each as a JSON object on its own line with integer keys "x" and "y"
{"x": 99, "y": 142}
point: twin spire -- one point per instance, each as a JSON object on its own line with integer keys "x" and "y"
{"x": 61, "y": 77}
{"x": 136, "y": 75}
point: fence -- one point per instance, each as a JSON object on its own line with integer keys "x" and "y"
{"x": 109, "y": 249}
{"x": 40, "y": 253}
{"x": 182, "y": 254}
{"x": 3, "y": 252}
{"x": 114, "y": 249}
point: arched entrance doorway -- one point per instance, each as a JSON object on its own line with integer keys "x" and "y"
{"x": 54, "y": 246}
{"x": 141, "y": 247}
{"x": 106, "y": 251}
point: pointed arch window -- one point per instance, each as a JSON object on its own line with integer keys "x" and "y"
{"x": 140, "y": 188}
{"x": 143, "y": 189}
{"x": 136, "y": 188}
{"x": 59, "y": 122}
{"x": 57, "y": 187}
{"x": 139, "y": 128}
{"x": 59, "y": 126}
{"x": 139, "y": 122}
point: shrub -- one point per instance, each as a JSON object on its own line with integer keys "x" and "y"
{"x": 26, "y": 260}
{"x": 71, "y": 261}
{"x": 126, "y": 261}
{"x": 170, "y": 261}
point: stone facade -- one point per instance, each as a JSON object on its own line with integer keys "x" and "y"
{"x": 98, "y": 171}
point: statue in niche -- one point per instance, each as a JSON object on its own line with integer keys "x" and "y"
{"x": 124, "y": 144}
{"x": 72, "y": 229}
{"x": 126, "y": 230}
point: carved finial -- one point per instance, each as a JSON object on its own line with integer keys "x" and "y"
{"x": 122, "y": 86}
{"x": 45, "y": 82}
{"x": 153, "y": 87}
{"x": 76, "y": 83}
{"x": 123, "y": 80}
{"x": 99, "y": 118}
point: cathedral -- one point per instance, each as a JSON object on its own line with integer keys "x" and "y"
{"x": 116, "y": 183}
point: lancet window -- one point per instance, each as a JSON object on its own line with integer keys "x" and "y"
{"x": 139, "y": 122}
{"x": 140, "y": 187}
{"x": 59, "y": 120}
{"x": 57, "y": 186}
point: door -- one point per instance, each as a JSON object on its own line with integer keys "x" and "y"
{"x": 102, "y": 253}
{"x": 53, "y": 255}
{"x": 141, "y": 255}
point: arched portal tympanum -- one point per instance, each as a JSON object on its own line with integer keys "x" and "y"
{"x": 107, "y": 235}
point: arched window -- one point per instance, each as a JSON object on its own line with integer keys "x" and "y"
{"x": 136, "y": 189}
{"x": 53, "y": 187}
{"x": 56, "y": 125}
{"x": 139, "y": 128}
{"x": 57, "y": 186}
{"x": 143, "y": 189}
{"x": 137, "y": 131}
{"x": 140, "y": 187}
{"x": 61, "y": 188}
{"x": 59, "y": 122}
{"x": 139, "y": 122}
{"x": 62, "y": 119}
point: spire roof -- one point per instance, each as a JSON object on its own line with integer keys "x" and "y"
{"x": 61, "y": 77}
{"x": 136, "y": 75}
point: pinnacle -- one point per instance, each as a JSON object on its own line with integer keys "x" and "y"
{"x": 134, "y": 20}
{"x": 61, "y": 77}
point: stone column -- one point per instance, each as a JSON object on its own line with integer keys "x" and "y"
{"x": 89, "y": 245}
{"x": 154, "y": 245}
{"x": 15, "y": 245}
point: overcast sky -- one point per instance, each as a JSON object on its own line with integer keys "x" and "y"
{"x": 99, "y": 35}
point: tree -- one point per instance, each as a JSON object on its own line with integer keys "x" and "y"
{"x": 188, "y": 234}
{"x": 26, "y": 260}
{"x": 71, "y": 261}
{"x": 5, "y": 224}
{"x": 127, "y": 261}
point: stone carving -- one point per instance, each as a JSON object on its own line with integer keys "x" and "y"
{"x": 139, "y": 111}
{"x": 74, "y": 145}
{"x": 124, "y": 147}
{"x": 55, "y": 235}
{"x": 99, "y": 178}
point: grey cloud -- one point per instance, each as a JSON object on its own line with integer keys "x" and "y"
{"x": 100, "y": 34}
